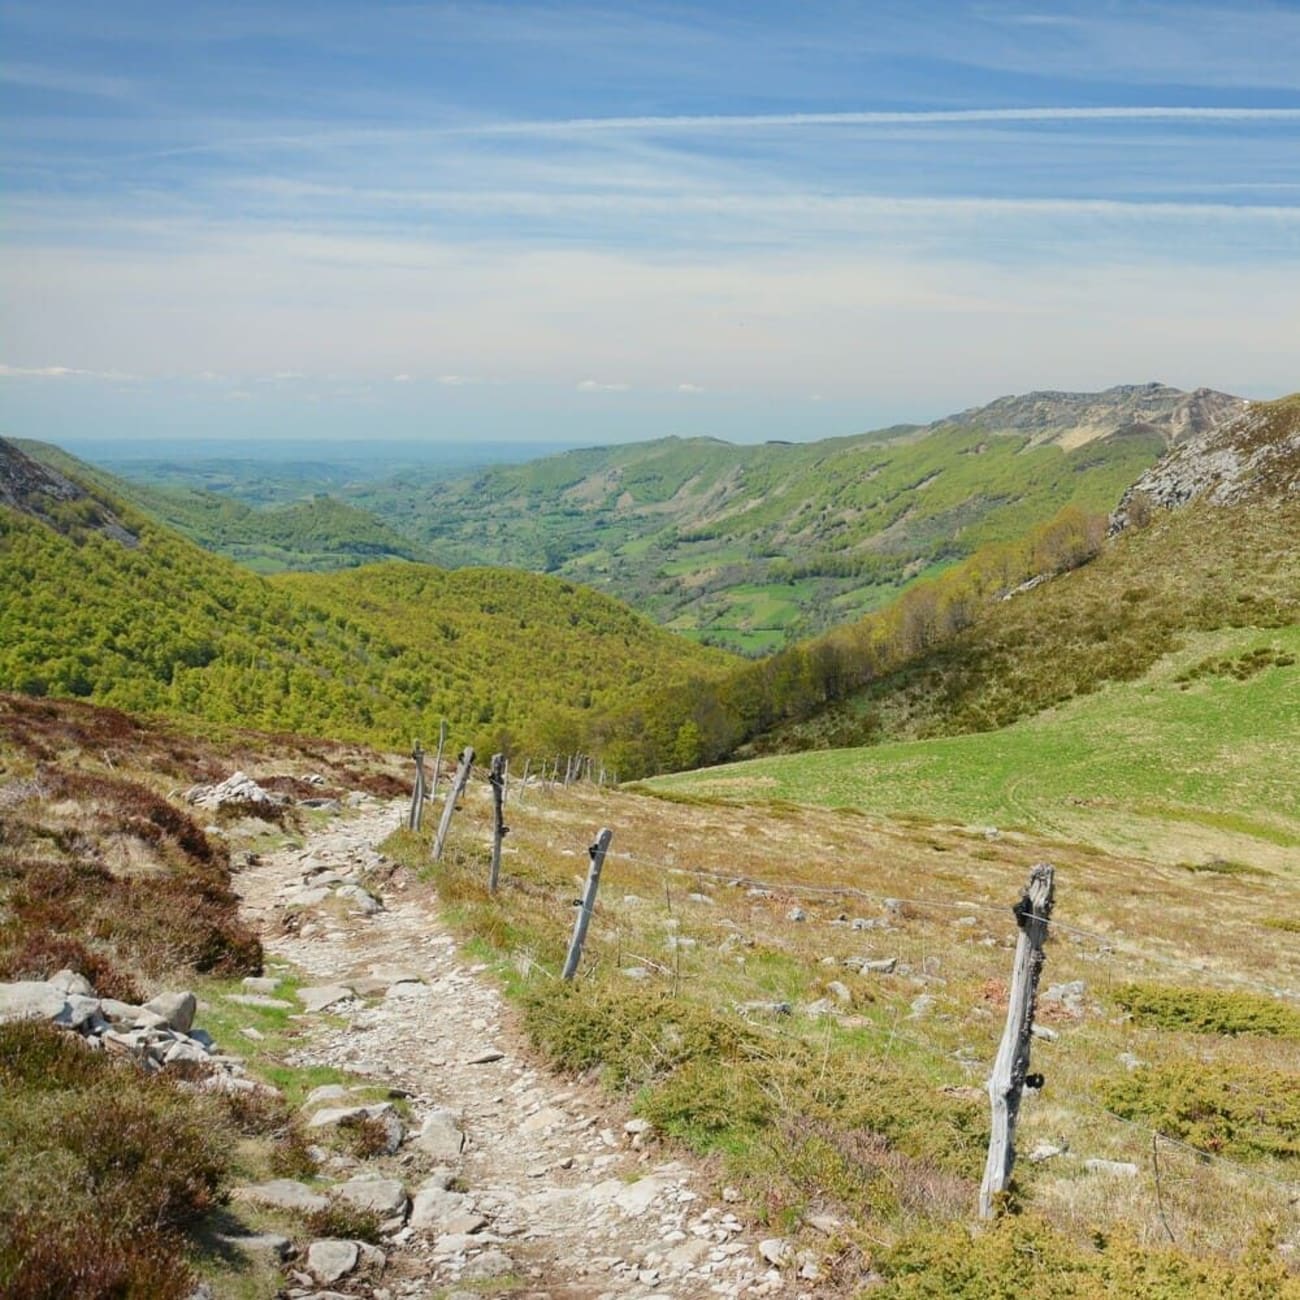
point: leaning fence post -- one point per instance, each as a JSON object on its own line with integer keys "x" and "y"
{"x": 523, "y": 785}
{"x": 437, "y": 760}
{"x": 449, "y": 807}
{"x": 597, "y": 851}
{"x": 1011, "y": 1069}
{"x": 417, "y": 794}
{"x": 497, "y": 778}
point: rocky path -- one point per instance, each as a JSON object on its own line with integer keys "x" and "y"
{"x": 521, "y": 1183}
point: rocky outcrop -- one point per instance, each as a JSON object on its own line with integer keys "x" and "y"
{"x": 43, "y": 493}
{"x": 1073, "y": 419}
{"x": 1254, "y": 456}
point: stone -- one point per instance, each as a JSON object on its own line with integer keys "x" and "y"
{"x": 871, "y": 965}
{"x": 260, "y": 983}
{"x": 118, "y": 1012}
{"x": 345, "y": 1116}
{"x": 331, "y": 1259}
{"x": 775, "y": 1250}
{"x": 840, "y": 992}
{"x": 764, "y": 1008}
{"x": 31, "y": 1000}
{"x": 1047, "y": 1034}
{"x": 1115, "y": 1168}
{"x": 177, "y": 1009}
{"x": 259, "y": 1000}
{"x": 464, "y": 1225}
{"x": 396, "y": 975}
{"x": 485, "y": 1057}
{"x": 326, "y": 1092}
{"x": 321, "y": 805}
{"x": 283, "y": 1194}
{"x": 441, "y": 1136}
{"x": 921, "y": 1007}
{"x": 263, "y": 1243}
{"x": 435, "y": 1204}
{"x": 1045, "y": 1151}
{"x": 70, "y": 982}
{"x": 81, "y": 1012}
{"x": 368, "y": 986}
{"x": 184, "y": 1050}
{"x": 386, "y": 1196}
{"x": 361, "y": 899}
{"x": 490, "y": 1264}
{"x": 237, "y": 788}
{"x": 320, "y": 997}
{"x": 796, "y": 914}
{"x": 305, "y": 896}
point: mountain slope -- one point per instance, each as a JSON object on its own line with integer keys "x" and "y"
{"x": 752, "y": 546}
{"x": 317, "y": 533}
{"x": 98, "y": 602}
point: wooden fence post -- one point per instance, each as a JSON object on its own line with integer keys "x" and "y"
{"x": 497, "y": 777}
{"x": 523, "y": 785}
{"x": 437, "y": 760}
{"x": 417, "y": 794}
{"x": 1011, "y": 1069}
{"x": 597, "y": 851}
{"x": 449, "y": 807}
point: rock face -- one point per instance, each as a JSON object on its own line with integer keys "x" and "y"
{"x": 34, "y": 489}
{"x": 1073, "y": 419}
{"x": 1254, "y": 456}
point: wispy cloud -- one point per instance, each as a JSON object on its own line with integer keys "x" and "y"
{"x": 920, "y": 117}
{"x": 595, "y": 386}
{"x": 63, "y": 372}
{"x": 65, "y": 81}
{"x": 689, "y": 388}
{"x": 402, "y": 378}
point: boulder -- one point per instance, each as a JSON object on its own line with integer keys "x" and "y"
{"x": 283, "y": 1194}
{"x": 177, "y": 1009}
{"x": 385, "y": 1196}
{"x": 345, "y": 1116}
{"x": 360, "y": 899}
{"x": 31, "y": 1000}
{"x": 70, "y": 982}
{"x": 323, "y": 996}
{"x": 329, "y": 1260}
{"x": 435, "y": 1204}
{"x": 441, "y": 1136}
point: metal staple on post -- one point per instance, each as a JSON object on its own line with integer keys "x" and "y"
{"x": 449, "y": 807}
{"x": 497, "y": 778}
{"x": 597, "y": 852}
{"x": 1011, "y": 1069}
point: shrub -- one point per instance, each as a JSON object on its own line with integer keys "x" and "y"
{"x": 1207, "y": 1011}
{"x": 341, "y": 1219}
{"x": 1232, "y": 1110}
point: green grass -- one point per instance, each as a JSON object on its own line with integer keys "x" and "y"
{"x": 1142, "y": 764}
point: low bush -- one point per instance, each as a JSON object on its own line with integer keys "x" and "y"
{"x": 1207, "y": 1011}
{"x": 1244, "y": 1112}
{"x": 100, "y": 1167}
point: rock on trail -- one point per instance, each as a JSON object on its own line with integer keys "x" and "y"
{"x": 513, "y": 1174}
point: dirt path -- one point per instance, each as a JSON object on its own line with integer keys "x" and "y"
{"x": 557, "y": 1201}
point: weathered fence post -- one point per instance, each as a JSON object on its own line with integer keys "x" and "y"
{"x": 449, "y": 807}
{"x": 497, "y": 777}
{"x": 523, "y": 785}
{"x": 417, "y": 794}
{"x": 597, "y": 851}
{"x": 1011, "y": 1069}
{"x": 437, "y": 759}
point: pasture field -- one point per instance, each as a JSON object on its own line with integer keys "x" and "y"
{"x": 1192, "y": 761}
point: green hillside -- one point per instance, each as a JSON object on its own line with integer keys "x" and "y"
{"x": 318, "y": 533}
{"x": 99, "y": 602}
{"x": 752, "y": 546}
{"x": 1193, "y": 760}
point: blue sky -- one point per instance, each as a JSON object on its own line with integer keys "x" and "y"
{"x": 598, "y": 222}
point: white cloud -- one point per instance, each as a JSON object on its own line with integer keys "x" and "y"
{"x": 62, "y": 372}
{"x": 689, "y": 388}
{"x": 456, "y": 381}
{"x": 595, "y": 386}
{"x": 402, "y": 379}
{"x": 767, "y": 121}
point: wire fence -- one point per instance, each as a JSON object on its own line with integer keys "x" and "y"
{"x": 607, "y": 947}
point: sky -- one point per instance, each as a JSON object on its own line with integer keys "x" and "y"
{"x": 577, "y": 223}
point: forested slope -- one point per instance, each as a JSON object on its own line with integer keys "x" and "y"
{"x": 155, "y": 624}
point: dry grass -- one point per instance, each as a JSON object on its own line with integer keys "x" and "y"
{"x": 700, "y": 898}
